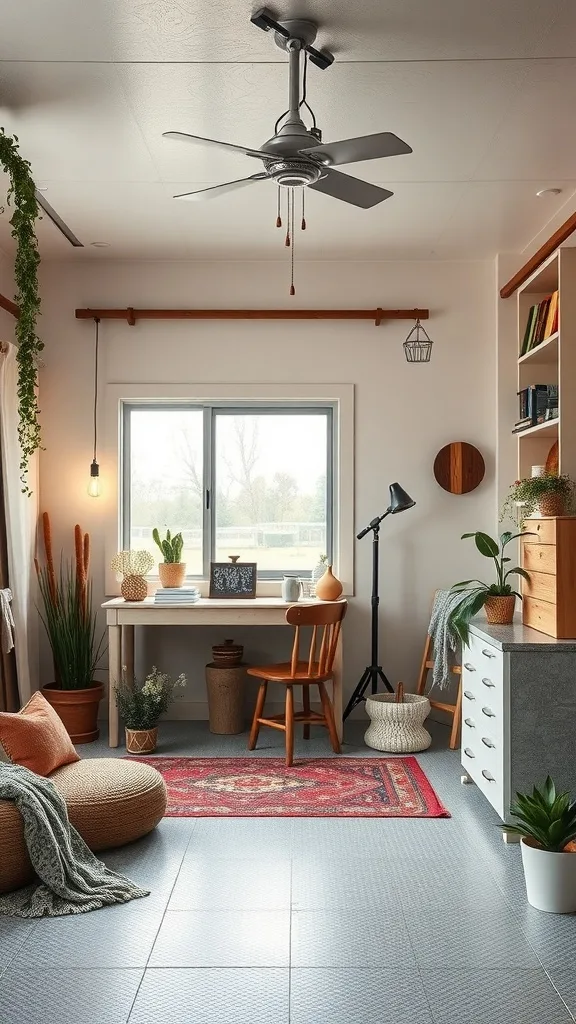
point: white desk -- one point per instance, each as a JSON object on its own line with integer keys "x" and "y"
{"x": 122, "y": 616}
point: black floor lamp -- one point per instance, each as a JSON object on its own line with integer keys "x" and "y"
{"x": 399, "y": 501}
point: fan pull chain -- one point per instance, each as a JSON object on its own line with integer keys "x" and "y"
{"x": 292, "y": 288}
{"x": 278, "y": 218}
{"x": 288, "y": 225}
{"x": 303, "y": 221}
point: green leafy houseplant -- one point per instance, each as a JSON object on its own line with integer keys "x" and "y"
{"x": 545, "y": 817}
{"x": 22, "y": 194}
{"x": 171, "y": 546}
{"x": 478, "y": 595}
{"x": 142, "y": 705}
{"x": 532, "y": 491}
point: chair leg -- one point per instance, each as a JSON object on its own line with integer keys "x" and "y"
{"x": 257, "y": 714}
{"x": 306, "y": 705}
{"x": 423, "y": 674}
{"x": 329, "y": 716}
{"x": 289, "y": 727}
{"x": 455, "y": 731}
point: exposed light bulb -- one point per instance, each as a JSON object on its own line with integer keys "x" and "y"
{"x": 95, "y": 486}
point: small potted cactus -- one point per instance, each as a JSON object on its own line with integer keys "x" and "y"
{"x": 172, "y": 571}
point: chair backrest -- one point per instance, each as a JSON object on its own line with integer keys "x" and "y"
{"x": 326, "y": 622}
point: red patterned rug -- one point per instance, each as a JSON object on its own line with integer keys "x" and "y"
{"x": 344, "y": 787}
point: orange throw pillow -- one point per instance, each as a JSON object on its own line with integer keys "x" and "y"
{"x": 36, "y": 738}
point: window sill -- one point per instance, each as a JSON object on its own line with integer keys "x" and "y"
{"x": 264, "y": 588}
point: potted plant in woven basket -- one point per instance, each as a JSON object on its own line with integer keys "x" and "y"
{"x": 172, "y": 571}
{"x": 70, "y": 624}
{"x": 498, "y": 599}
{"x": 547, "y": 826}
{"x": 548, "y": 494}
{"x": 141, "y": 705}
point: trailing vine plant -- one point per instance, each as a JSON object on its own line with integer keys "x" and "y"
{"x": 22, "y": 196}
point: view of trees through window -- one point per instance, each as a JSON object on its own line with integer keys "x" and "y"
{"x": 267, "y": 473}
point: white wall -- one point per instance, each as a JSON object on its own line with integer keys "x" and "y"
{"x": 404, "y": 413}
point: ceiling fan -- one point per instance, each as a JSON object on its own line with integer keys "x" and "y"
{"x": 295, "y": 156}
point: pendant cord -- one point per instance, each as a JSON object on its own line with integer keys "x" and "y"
{"x": 96, "y": 347}
{"x": 278, "y": 211}
{"x": 293, "y": 238}
{"x": 303, "y": 221}
{"x": 288, "y": 224}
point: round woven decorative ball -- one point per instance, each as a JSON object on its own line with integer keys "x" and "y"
{"x": 134, "y": 588}
{"x": 397, "y": 727}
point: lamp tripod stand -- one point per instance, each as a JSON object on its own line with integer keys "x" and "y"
{"x": 373, "y": 673}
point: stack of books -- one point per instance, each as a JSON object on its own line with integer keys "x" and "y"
{"x": 541, "y": 324}
{"x": 177, "y": 595}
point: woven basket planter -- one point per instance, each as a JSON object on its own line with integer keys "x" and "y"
{"x": 134, "y": 588}
{"x": 500, "y": 610}
{"x": 397, "y": 727}
{"x": 552, "y": 505}
{"x": 141, "y": 741}
{"x": 172, "y": 574}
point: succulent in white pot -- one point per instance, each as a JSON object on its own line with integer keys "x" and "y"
{"x": 546, "y": 823}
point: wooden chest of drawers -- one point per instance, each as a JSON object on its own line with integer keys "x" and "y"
{"x": 549, "y": 554}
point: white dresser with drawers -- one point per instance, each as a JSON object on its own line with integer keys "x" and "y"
{"x": 518, "y": 711}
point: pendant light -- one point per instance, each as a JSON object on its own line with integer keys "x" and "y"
{"x": 418, "y": 345}
{"x": 94, "y": 486}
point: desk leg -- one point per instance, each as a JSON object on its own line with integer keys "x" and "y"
{"x": 337, "y": 688}
{"x": 128, "y": 652}
{"x": 114, "y": 677}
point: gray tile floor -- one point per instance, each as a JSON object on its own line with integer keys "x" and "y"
{"x": 303, "y": 921}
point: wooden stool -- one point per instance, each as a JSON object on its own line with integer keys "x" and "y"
{"x": 451, "y": 709}
{"x": 325, "y": 619}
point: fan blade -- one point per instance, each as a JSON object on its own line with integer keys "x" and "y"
{"x": 350, "y": 190}
{"x": 367, "y": 147}
{"x": 219, "y": 190}
{"x": 212, "y": 142}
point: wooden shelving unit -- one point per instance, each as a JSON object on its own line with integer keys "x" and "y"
{"x": 551, "y": 362}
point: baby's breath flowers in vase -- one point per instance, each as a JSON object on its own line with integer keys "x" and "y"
{"x": 131, "y": 567}
{"x": 140, "y": 706}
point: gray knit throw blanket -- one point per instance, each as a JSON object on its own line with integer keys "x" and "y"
{"x": 444, "y": 637}
{"x": 71, "y": 879}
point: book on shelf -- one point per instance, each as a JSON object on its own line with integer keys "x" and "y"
{"x": 551, "y": 325}
{"x": 530, "y": 323}
{"x": 542, "y": 321}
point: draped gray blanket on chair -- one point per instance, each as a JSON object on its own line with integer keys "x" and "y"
{"x": 444, "y": 637}
{"x": 71, "y": 879}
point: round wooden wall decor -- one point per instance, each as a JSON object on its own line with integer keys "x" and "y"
{"x": 459, "y": 467}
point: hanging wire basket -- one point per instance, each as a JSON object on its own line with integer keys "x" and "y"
{"x": 418, "y": 346}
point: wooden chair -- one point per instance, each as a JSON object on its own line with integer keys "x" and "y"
{"x": 451, "y": 709}
{"x": 326, "y": 621}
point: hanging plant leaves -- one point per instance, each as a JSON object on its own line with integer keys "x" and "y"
{"x": 22, "y": 197}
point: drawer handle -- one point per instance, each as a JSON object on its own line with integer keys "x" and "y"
{"x": 468, "y": 752}
{"x": 488, "y": 682}
{"x": 488, "y": 743}
{"x": 470, "y": 723}
{"x": 487, "y": 653}
{"x": 468, "y": 695}
{"x": 488, "y": 712}
{"x": 488, "y": 776}
{"x": 468, "y": 666}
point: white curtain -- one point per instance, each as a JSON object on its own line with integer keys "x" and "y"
{"x": 21, "y": 519}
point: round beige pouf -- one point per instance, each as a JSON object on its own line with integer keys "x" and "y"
{"x": 397, "y": 727}
{"x": 110, "y": 801}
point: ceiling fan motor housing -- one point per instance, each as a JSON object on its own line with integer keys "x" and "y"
{"x": 290, "y": 172}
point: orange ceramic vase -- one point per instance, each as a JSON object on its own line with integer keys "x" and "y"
{"x": 328, "y": 587}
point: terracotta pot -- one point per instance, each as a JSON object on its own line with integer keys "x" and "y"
{"x": 500, "y": 610}
{"x": 328, "y": 587}
{"x": 552, "y": 505}
{"x": 172, "y": 574}
{"x": 134, "y": 588}
{"x": 141, "y": 741}
{"x": 78, "y": 709}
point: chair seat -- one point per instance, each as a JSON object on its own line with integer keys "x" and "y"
{"x": 282, "y": 673}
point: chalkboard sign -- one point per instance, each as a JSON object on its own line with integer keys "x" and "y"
{"x": 236, "y": 579}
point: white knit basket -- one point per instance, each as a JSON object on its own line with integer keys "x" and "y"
{"x": 397, "y": 727}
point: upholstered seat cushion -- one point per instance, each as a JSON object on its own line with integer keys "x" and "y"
{"x": 110, "y": 801}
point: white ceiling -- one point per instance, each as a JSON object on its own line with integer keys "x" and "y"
{"x": 484, "y": 93}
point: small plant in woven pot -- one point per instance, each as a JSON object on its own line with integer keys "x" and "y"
{"x": 550, "y": 495}
{"x": 141, "y": 705}
{"x": 498, "y": 599}
{"x": 172, "y": 571}
{"x": 131, "y": 567}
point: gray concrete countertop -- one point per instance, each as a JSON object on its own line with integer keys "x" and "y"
{"x": 518, "y": 637}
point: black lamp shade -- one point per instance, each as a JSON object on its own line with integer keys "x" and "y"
{"x": 399, "y": 499}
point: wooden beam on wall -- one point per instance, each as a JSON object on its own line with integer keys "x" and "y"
{"x": 9, "y": 306}
{"x": 132, "y": 315}
{"x": 535, "y": 261}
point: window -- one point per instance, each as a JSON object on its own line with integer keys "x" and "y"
{"x": 254, "y": 480}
